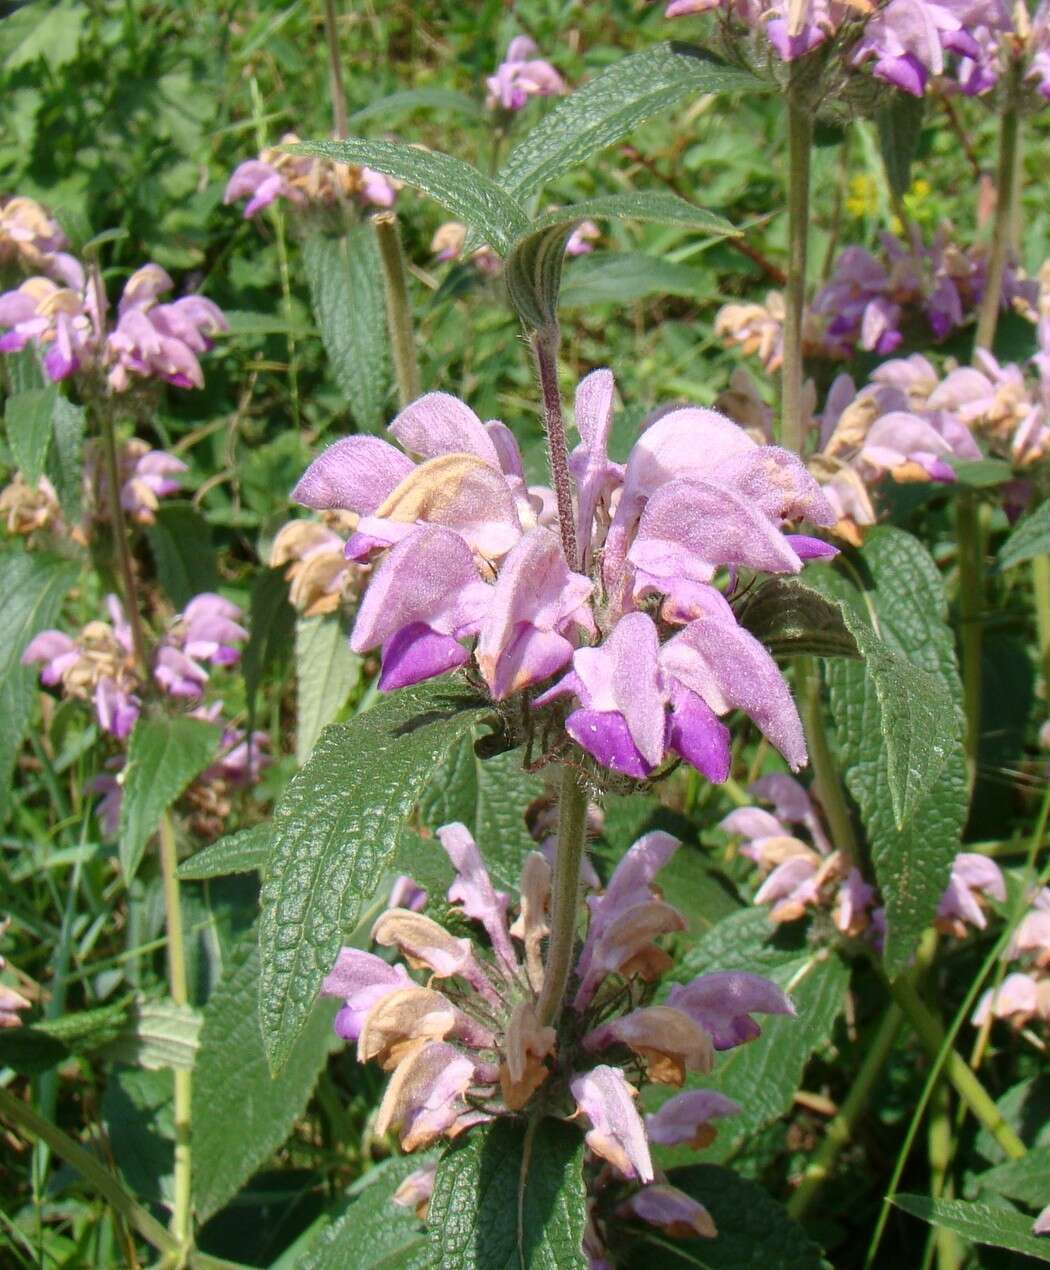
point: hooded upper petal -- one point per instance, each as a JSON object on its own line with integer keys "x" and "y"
{"x": 617, "y": 1133}
{"x": 356, "y": 474}
{"x": 723, "y": 1002}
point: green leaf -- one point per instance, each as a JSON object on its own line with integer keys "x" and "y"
{"x": 34, "y": 1048}
{"x": 164, "y": 756}
{"x": 501, "y": 1202}
{"x": 619, "y": 277}
{"x": 50, "y": 31}
{"x": 272, "y": 621}
{"x": 180, "y": 539}
{"x": 632, "y": 90}
{"x": 411, "y": 99}
{"x": 1027, "y": 1179}
{"x": 1029, "y": 539}
{"x": 346, "y": 291}
{"x": 980, "y": 473}
{"x": 753, "y": 1229}
{"x": 33, "y": 586}
{"x": 137, "y": 1111}
{"x": 156, "y": 1035}
{"x": 22, "y": 369}
{"x": 27, "y": 416}
{"x": 899, "y": 122}
{"x": 334, "y": 831}
{"x": 327, "y": 672}
{"x": 373, "y": 1233}
{"x": 764, "y": 1075}
{"x": 457, "y": 186}
{"x": 65, "y": 458}
{"x": 791, "y": 618}
{"x": 246, "y": 851}
{"x": 980, "y": 1223}
{"x": 903, "y": 596}
{"x": 536, "y": 258}
{"x": 232, "y": 1073}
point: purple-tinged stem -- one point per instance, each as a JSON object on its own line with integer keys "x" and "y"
{"x": 800, "y": 136}
{"x": 565, "y": 900}
{"x": 545, "y": 343}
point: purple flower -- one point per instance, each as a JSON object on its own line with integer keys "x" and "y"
{"x": 687, "y": 1118}
{"x": 617, "y": 1133}
{"x": 972, "y": 876}
{"x": 676, "y": 1213}
{"x": 360, "y": 979}
{"x": 1041, "y": 1226}
{"x": 723, "y": 1002}
{"x": 521, "y": 75}
{"x": 206, "y": 631}
{"x": 261, "y": 185}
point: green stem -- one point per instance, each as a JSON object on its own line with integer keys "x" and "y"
{"x": 90, "y": 1168}
{"x": 1006, "y": 186}
{"x": 825, "y": 771}
{"x": 966, "y": 1085}
{"x": 182, "y": 1213}
{"x": 800, "y": 135}
{"x": 941, "y": 1148}
{"x": 969, "y": 531}
{"x": 398, "y": 309}
{"x": 120, "y": 541}
{"x": 1041, "y": 591}
{"x": 842, "y": 1127}
{"x": 545, "y": 342}
{"x": 335, "y": 73}
{"x": 565, "y": 904}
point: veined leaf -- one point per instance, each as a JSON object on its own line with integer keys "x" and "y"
{"x": 34, "y": 1048}
{"x": 272, "y": 621}
{"x": 457, "y": 186}
{"x": 980, "y": 1223}
{"x": 327, "y": 671}
{"x": 346, "y": 291}
{"x": 899, "y": 122}
{"x": 1027, "y": 1179}
{"x": 632, "y": 90}
{"x": 791, "y": 618}
{"x": 334, "y": 832}
{"x": 33, "y": 586}
{"x": 232, "y": 1073}
{"x": 618, "y": 277}
{"x": 164, "y": 756}
{"x": 1030, "y": 538}
{"x": 27, "y": 417}
{"x": 156, "y": 1035}
{"x": 181, "y": 542}
{"x": 645, "y": 205}
{"x": 65, "y": 458}
{"x": 503, "y": 1202}
{"x": 246, "y": 851}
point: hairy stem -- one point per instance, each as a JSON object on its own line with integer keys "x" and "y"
{"x": 120, "y": 541}
{"x": 825, "y": 772}
{"x": 335, "y": 73}
{"x": 842, "y": 1127}
{"x": 545, "y": 349}
{"x": 565, "y": 903}
{"x": 1006, "y": 188}
{"x": 970, "y": 534}
{"x": 800, "y": 135}
{"x": 182, "y": 1216}
{"x": 940, "y": 1146}
{"x": 90, "y": 1168}
{"x": 398, "y": 309}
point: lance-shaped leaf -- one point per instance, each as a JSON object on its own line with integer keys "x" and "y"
{"x": 534, "y": 263}
{"x": 1026, "y": 1179}
{"x": 632, "y": 90}
{"x": 899, "y": 122}
{"x": 156, "y": 1035}
{"x": 65, "y": 457}
{"x": 1029, "y": 539}
{"x": 246, "y": 851}
{"x": 334, "y": 833}
{"x": 980, "y": 1223}
{"x": 164, "y": 756}
{"x": 346, "y": 291}
{"x": 27, "y": 417}
{"x": 459, "y": 187}
{"x": 508, "y": 1199}
{"x": 37, "y": 1047}
{"x": 327, "y": 671}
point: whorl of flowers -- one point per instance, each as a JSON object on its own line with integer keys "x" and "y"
{"x": 149, "y": 340}
{"x": 99, "y": 664}
{"x": 312, "y": 554}
{"x": 466, "y": 1044}
{"x": 470, "y": 572}
{"x": 809, "y": 874}
{"x": 32, "y": 240}
{"x": 522, "y": 75}
{"x": 305, "y": 181}
{"x": 1024, "y": 993}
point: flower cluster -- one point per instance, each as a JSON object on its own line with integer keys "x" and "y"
{"x": 305, "y": 181}
{"x": 870, "y": 300}
{"x": 466, "y": 552}
{"x": 149, "y": 340}
{"x": 801, "y": 875}
{"x": 99, "y": 665}
{"x": 32, "y": 239}
{"x": 449, "y": 238}
{"x": 1025, "y": 993}
{"x": 522, "y": 75}
{"x": 477, "y": 1049}
{"x": 313, "y": 556}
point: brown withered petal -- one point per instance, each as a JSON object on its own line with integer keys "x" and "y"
{"x": 531, "y": 925}
{"x": 424, "y": 944}
{"x": 397, "y": 1021}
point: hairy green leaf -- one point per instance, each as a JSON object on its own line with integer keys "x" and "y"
{"x": 1027, "y": 1179}
{"x": 245, "y": 851}
{"x": 901, "y": 593}
{"x": 457, "y": 186}
{"x": 346, "y": 291}
{"x": 503, "y": 1202}
{"x": 753, "y": 1229}
{"x": 155, "y": 1035}
{"x": 164, "y": 756}
{"x": 899, "y": 122}
{"x": 65, "y": 458}
{"x": 618, "y": 277}
{"x": 632, "y": 90}
{"x": 232, "y": 1074}
{"x": 33, "y": 586}
{"x": 34, "y": 1048}
{"x": 411, "y": 99}
{"x": 272, "y": 623}
{"x": 980, "y": 1223}
{"x": 979, "y": 473}
{"x": 1029, "y": 539}
{"x": 791, "y": 618}
{"x": 181, "y": 542}
{"x": 373, "y": 1233}
{"x": 327, "y": 672}
{"x": 140, "y": 1125}
{"x": 334, "y": 832}
{"x": 27, "y": 417}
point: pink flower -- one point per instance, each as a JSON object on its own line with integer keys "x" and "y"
{"x": 617, "y": 1133}
{"x": 521, "y": 76}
